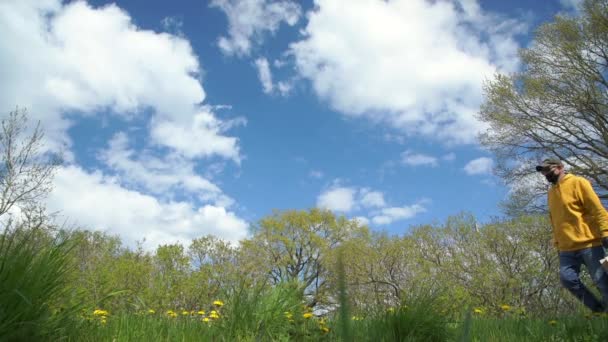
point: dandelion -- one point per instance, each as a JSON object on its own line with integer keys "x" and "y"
{"x": 307, "y": 315}
{"x": 325, "y": 329}
{"x": 478, "y": 311}
{"x": 103, "y": 320}
{"x": 205, "y": 319}
{"x": 201, "y": 312}
{"x": 171, "y": 313}
{"x": 213, "y": 314}
{"x": 552, "y": 322}
{"x": 218, "y": 303}
{"x": 505, "y": 307}
{"x": 100, "y": 312}
{"x": 151, "y": 311}
{"x": 185, "y": 313}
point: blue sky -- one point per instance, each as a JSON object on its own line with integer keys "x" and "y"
{"x": 185, "y": 118}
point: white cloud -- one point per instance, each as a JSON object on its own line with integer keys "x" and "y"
{"x": 250, "y": 20}
{"x": 96, "y": 201}
{"x": 200, "y": 137}
{"x": 353, "y": 199}
{"x": 418, "y": 159}
{"x": 362, "y": 220}
{"x": 264, "y": 75}
{"x": 163, "y": 177}
{"x": 371, "y": 199}
{"x": 392, "y": 214}
{"x": 479, "y": 166}
{"x": 74, "y": 58}
{"x": 337, "y": 199}
{"x": 418, "y": 65}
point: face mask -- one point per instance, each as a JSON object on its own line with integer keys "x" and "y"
{"x": 552, "y": 177}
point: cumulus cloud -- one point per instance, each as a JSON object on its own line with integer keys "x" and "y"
{"x": 368, "y": 201}
{"x": 418, "y": 159}
{"x": 163, "y": 176}
{"x": 479, "y": 166}
{"x": 98, "y": 202}
{"x": 74, "y": 58}
{"x": 67, "y": 60}
{"x": 337, "y": 199}
{"x": 416, "y": 65}
{"x": 250, "y": 20}
{"x": 371, "y": 199}
{"x": 392, "y": 214}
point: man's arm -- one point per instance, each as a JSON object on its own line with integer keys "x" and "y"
{"x": 594, "y": 208}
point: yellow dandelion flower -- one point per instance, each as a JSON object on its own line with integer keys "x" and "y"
{"x": 205, "y": 319}
{"x": 505, "y": 307}
{"x": 151, "y": 311}
{"x": 214, "y": 314}
{"x": 100, "y": 312}
{"x": 185, "y": 313}
{"x": 307, "y": 315}
{"x": 218, "y": 303}
{"x": 325, "y": 329}
{"x": 171, "y": 313}
{"x": 201, "y": 312}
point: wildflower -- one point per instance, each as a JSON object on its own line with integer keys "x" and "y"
{"x": 356, "y": 318}
{"x": 552, "y": 322}
{"x": 288, "y": 315}
{"x": 151, "y": 311}
{"x": 171, "y": 313}
{"x": 307, "y": 315}
{"x": 99, "y": 312}
{"x": 505, "y": 307}
{"x": 218, "y": 303}
{"x": 478, "y": 311}
{"x": 325, "y": 329}
{"x": 205, "y": 319}
{"x": 213, "y": 314}
{"x": 185, "y": 313}
{"x": 201, "y": 312}
{"x": 103, "y": 320}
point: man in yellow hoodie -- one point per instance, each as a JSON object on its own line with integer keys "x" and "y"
{"x": 580, "y": 231}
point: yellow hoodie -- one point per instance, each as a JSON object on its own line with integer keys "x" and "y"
{"x": 578, "y": 217}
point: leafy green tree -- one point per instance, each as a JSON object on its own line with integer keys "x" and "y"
{"x": 294, "y": 246}
{"x": 171, "y": 270}
{"x": 557, "y": 105}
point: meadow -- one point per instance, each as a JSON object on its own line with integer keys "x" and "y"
{"x": 38, "y": 304}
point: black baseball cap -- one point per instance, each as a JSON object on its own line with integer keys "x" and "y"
{"x": 547, "y": 163}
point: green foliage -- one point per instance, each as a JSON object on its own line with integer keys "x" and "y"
{"x": 36, "y": 300}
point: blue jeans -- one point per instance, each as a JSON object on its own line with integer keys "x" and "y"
{"x": 569, "y": 270}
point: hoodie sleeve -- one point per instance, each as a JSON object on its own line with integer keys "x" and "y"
{"x": 593, "y": 207}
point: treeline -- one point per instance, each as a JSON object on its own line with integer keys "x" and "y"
{"x": 462, "y": 263}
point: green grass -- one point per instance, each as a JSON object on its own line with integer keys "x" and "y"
{"x": 35, "y": 300}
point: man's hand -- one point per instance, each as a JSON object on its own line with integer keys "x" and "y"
{"x": 605, "y": 242}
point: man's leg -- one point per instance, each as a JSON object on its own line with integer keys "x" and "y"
{"x": 592, "y": 257}
{"x": 569, "y": 270}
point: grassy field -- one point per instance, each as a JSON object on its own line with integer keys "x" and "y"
{"x": 37, "y": 304}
